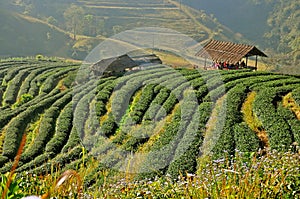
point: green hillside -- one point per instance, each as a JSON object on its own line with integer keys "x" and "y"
{"x": 25, "y": 36}
{"x": 159, "y": 118}
{"x": 101, "y": 18}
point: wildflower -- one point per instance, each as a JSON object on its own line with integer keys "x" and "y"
{"x": 219, "y": 161}
{"x": 230, "y": 171}
{"x": 31, "y": 197}
{"x": 190, "y": 175}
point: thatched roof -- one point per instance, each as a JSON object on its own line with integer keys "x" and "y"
{"x": 228, "y": 51}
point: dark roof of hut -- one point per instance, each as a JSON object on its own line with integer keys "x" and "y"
{"x": 228, "y": 51}
{"x": 114, "y": 63}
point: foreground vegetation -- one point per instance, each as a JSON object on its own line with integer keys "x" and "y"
{"x": 156, "y": 132}
{"x": 272, "y": 175}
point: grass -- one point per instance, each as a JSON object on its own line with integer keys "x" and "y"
{"x": 261, "y": 66}
{"x": 274, "y": 175}
{"x": 173, "y": 60}
{"x": 252, "y": 120}
{"x": 289, "y": 102}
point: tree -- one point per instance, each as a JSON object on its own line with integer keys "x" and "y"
{"x": 90, "y": 25}
{"x": 74, "y": 18}
{"x": 52, "y": 20}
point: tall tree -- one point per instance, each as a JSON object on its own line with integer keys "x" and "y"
{"x": 90, "y": 25}
{"x": 74, "y": 18}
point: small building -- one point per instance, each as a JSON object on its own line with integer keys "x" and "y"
{"x": 113, "y": 65}
{"x": 230, "y": 52}
{"x": 122, "y": 63}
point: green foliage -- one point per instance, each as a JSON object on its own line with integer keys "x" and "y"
{"x": 279, "y": 132}
{"x": 234, "y": 99}
{"x": 245, "y": 138}
{"x": 14, "y": 190}
{"x": 160, "y": 112}
{"x": 39, "y": 57}
{"x": 74, "y": 19}
{"x": 24, "y": 99}
{"x": 187, "y": 151}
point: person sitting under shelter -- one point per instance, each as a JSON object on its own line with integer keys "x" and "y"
{"x": 243, "y": 65}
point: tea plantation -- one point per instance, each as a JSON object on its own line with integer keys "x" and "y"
{"x": 153, "y": 121}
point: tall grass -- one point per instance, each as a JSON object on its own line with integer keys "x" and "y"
{"x": 245, "y": 175}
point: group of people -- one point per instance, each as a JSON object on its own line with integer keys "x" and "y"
{"x": 227, "y": 65}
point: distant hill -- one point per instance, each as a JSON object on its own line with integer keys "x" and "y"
{"x": 272, "y": 25}
{"x": 24, "y": 36}
{"x": 107, "y": 19}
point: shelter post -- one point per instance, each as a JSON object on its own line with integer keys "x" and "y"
{"x": 256, "y": 62}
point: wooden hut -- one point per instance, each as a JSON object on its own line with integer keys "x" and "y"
{"x": 227, "y": 51}
{"x": 123, "y": 62}
{"x": 113, "y": 65}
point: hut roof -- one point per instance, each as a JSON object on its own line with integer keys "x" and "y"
{"x": 228, "y": 51}
{"x": 114, "y": 64}
{"x": 145, "y": 59}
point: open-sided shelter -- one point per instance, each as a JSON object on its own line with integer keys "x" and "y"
{"x": 228, "y": 51}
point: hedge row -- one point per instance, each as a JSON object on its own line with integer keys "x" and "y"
{"x": 60, "y": 161}
{"x": 230, "y": 115}
{"x": 216, "y": 93}
{"x": 8, "y": 114}
{"x": 296, "y": 96}
{"x": 124, "y": 92}
{"x": 50, "y": 70}
{"x": 12, "y": 89}
{"x": 137, "y": 113}
{"x": 188, "y": 149}
{"x": 62, "y": 131}
{"x": 34, "y": 74}
{"x": 277, "y": 83}
{"x": 12, "y": 72}
{"x": 81, "y": 112}
{"x": 162, "y": 150}
{"x": 38, "y": 81}
{"x": 154, "y": 106}
{"x": 46, "y": 128}
{"x": 73, "y": 141}
{"x": 52, "y": 80}
{"x": 245, "y": 139}
{"x": 264, "y": 106}
{"x": 18, "y": 124}
{"x": 292, "y": 120}
{"x": 102, "y": 98}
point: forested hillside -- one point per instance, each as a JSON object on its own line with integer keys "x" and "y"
{"x": 22, "y": 35}
{"x": 90, "y": 21}
{"x": 270, "y": 25}
{"x": 273, "y": 25}
{"x": 284, "y": 23}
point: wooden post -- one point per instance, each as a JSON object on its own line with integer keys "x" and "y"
{"x": 256, "y": 62}
{"x": 246, "y": 62}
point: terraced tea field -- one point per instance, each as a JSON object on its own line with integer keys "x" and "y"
{"x": 118, "y": 16}
{"x": 150, "y": 122}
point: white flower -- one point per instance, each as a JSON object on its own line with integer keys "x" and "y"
{"x": 31, "y": 197}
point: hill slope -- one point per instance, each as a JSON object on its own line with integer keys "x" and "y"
{"x": 24, "y": 36}
{"x": 159, "y": 117}
{"x": 102, "y": 18}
